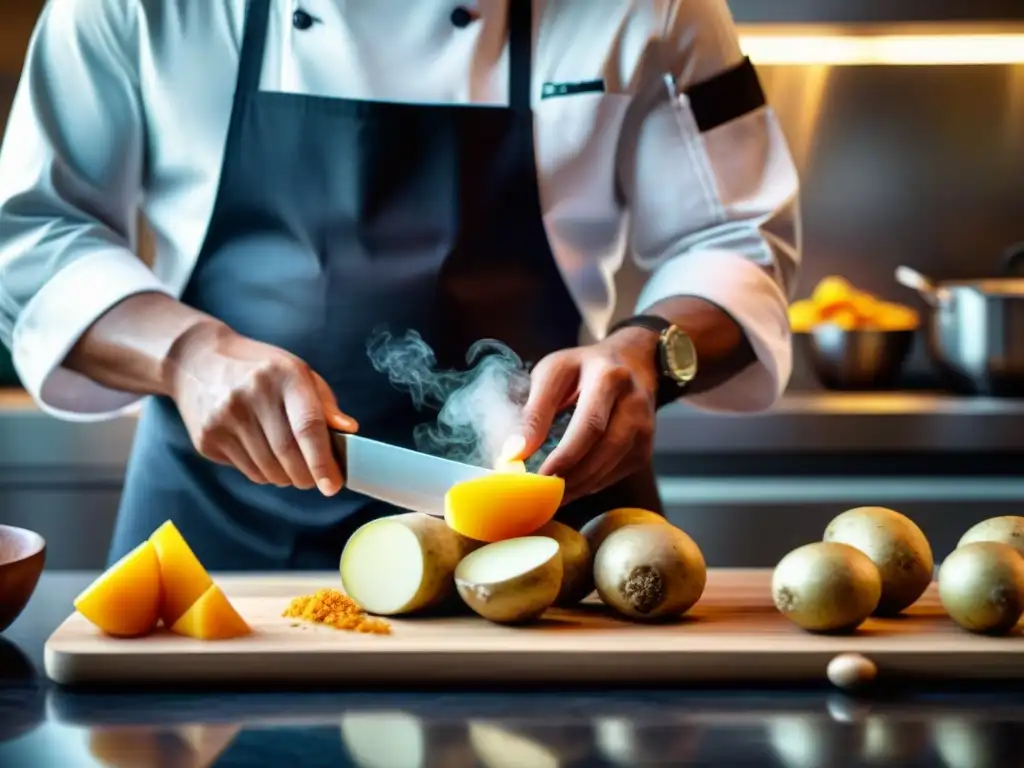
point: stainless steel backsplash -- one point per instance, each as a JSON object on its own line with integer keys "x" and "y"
{"x": 916, "y": 165}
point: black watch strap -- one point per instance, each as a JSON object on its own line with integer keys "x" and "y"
{"x": 669, "y": 390}
{"x": 650, "y": 322}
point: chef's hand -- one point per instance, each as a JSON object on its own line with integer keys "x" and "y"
{"x": 611, "y": 434}
{"x": 257, "y": 408}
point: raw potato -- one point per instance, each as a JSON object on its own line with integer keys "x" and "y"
{"x": 1008, "y": 529}
{"x": 826, "y": 587}
{"x": 602, "y": 526}
{"x": 506, "y": 505}
{"x": 511, "y": 581}
{"x": 649, "y": 571}
{"x": 125, "y": 600}
{"x": 577, "y": 564}
{"x": 402, "y": 564}
{"x": 183, "y": 576}
{"x": 981, "y": 586}
{"x": 211, "y": 617}
{"x": 895, "y": 545}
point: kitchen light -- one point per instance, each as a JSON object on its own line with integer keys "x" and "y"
{"x": 838, "y": 49}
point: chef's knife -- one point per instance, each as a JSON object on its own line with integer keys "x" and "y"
{"x": 399, "y": 476}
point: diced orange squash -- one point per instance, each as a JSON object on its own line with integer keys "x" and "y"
{"x": 184, "y": 578}
{"x": 211, "y": 617}
{"x": 502, "y": 506}
{"x": 125, "y": 601}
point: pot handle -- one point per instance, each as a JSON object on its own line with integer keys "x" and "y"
{"x": 911, "y": 278}
{"x": 1013, "y": 261}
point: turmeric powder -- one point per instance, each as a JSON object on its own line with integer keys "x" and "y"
{"x": 330, "y": 607}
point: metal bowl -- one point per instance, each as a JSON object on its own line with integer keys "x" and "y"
{"x": 856, "y": 359}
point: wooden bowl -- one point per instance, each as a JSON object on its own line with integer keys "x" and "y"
{"x": 22, "y": 557}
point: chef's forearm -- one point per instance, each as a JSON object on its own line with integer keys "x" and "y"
{"x": 133, "y": 346}
{"x": 722, "y": 347}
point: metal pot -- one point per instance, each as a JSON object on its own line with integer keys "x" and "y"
{"x": 975, "y": 332}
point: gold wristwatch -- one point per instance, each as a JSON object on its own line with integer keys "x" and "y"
{"x": 676, "y": 355}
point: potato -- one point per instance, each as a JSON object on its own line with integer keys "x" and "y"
{"x": 511, "y": 581}
{"x": 649, "y": 571}
{"x": 402, "y": 564}
{"x": 981, "y": 586}
{"x": 598, "y": 529}
{"x": 577, "y": 563}
{"x": 1008, "y": 529}
{"x": 125, "y": 600}
{"x": 507, "y": 505}
{"x": 895, "y": 545}
{"x": 826, "y": 587}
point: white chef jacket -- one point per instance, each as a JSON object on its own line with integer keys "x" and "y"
{"x": 124, "y": 105}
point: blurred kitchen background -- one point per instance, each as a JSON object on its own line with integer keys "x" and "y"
{"x": 906, "y": 118}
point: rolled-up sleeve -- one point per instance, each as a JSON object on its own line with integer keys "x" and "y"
{"x": 715, "y": 209}
{"x": 70, "y": 180}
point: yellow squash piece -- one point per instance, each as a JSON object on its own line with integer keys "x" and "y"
{"x": 211, "y": 617}
{"x": 502, "y": 506}
{"x": 125, "y": 600}
{"x": 183, "y": 576}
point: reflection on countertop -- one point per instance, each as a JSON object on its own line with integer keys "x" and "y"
{"x": 456, "y": 728}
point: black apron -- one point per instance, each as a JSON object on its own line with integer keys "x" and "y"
{"x": 333, "y": 217}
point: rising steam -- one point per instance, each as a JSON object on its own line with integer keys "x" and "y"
{"x": 478, "y": 409}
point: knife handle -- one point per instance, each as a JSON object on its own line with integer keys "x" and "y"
{"x": 340, "y": 450}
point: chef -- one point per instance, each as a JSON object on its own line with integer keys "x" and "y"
{"x": 598, "y": 184}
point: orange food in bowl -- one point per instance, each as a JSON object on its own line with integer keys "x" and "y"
{"x": 836, "y": 302}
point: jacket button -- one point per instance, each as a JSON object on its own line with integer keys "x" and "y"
{"x": 462, "y": 17}
{"x": 302, "y": 20}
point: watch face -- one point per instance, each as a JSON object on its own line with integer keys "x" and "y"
{"x": 680, "y": 355}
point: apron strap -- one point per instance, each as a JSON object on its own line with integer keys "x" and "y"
{"x": 520, "y": 53}
{"x": 254, "y": 42}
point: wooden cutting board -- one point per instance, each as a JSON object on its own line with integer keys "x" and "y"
{"x": 734, "y": 634}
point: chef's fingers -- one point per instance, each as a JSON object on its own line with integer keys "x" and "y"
{"x": 600, "y": 388}
{"x": 249, "y": 433}
{"x": 553, "y": 383}
{"x": 308, "y": 420}
{"x": 278, "y": 430}
{"x": 229, "y": 451}
{"x": 336, "y": 418}
{"x": 600, "y": 467}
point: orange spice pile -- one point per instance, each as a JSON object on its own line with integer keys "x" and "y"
{"x": 330, "y": 607}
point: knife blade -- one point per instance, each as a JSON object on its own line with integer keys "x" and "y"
{"x": 405, "y": 478}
